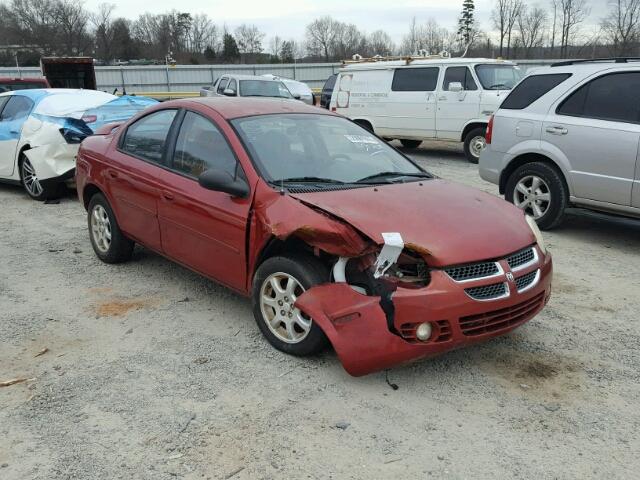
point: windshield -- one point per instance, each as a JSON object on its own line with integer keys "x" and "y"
{"x": 263, "y": 88}
{"x": 498, "y": 77}
{"x": 321, "y": 149}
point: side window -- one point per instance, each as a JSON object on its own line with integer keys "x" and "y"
{"x": 610, "y": 97}
{"x": 147, "y": 137}
{"x": 461, "y": 75}
{"x": 16, "y": 108}
{"x": 233, "y": 85}
{"x": 200, "y": 147}
{"x": 222, "y": 85}
{"x": 531, "y": 89}
{"x": 415, "y": 79}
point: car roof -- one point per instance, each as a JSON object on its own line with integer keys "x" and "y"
{"x": 586, "y": 69}
{"x": 236, "y": 107}
{"x": 249, "y": 77}
{"x": 436, "y": 62}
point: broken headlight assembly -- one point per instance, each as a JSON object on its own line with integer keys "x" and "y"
{"x": 409, "y": 271}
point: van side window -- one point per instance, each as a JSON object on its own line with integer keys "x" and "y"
{"x": 461, "y": 75}
{"x": 610, "y": 97}
{"x": 415, "y": 79}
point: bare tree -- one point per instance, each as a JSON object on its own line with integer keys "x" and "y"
{"x": 554, "y": 27}
{"x": 348, "y": 41}
{"x": 505, "y": 15}
{"x": 621, "y": 27}
{"x": 411, "y": 41}
{"x": 573, "y": 13}
{"x": 103, "y": 31}
{"x": 320, "y": 35}
{"x": 275, "y": 46}
{"x": 249, "y": 38}
{"x": 532, "y": 25}
{"x": 434, "y": 37}
{"x": 202, "y": 34}
{"x": 380, "y": 43}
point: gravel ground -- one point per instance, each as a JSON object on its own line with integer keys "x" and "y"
{"x": 154, "y": 372}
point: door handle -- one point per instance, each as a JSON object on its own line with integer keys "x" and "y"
{"x": 167, "y": 195}
{"x": 112, "y": 174}
{"x": 557, "y": 130}
{"x": 442, "y": 98}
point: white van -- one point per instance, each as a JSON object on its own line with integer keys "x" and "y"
{"x": 420, "y": 98}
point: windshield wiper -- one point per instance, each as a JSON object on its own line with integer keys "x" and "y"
{"x": 384, "y": 175}
{"x": 307, "y": 180}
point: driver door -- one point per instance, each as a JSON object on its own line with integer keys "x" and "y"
{"x": 456, "y": 108}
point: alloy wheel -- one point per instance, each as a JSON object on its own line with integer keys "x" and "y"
{"x": 532, "y": 194}
{"x": 30, "y": 179}
{"x": 278, "y": 294}
{"x": 101, "y": 228}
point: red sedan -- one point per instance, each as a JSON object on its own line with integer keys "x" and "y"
{"x": 336, "y": 236}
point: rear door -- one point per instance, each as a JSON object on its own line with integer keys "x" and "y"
{"x": 597, "y": 127}
{"x": 200, "y": 228}
{"x": 15, "y": 110}
{"x": 455, "y": 109}
{"x": 134, "y": 173}
{"x": 411, "y": 104}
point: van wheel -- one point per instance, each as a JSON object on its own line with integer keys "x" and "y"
{"x": 107, "y": 240}
{"x": 410, "y": 143}
{"x": 539, "y": 190}
{"x": 276, "y": 285}
{"x": 474, "y": 143}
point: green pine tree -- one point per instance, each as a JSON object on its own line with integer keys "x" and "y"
{"x": 230, "y": 52}
{"x": 466, "y": 21}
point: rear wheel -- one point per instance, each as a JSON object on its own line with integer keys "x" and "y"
{"x": 539, "y": 189}
{"x": 34, "y": 187}
{"x": 278, "y": 282}
{"x": 410, "y": 143}
{"x": 110, "y": 245}
{"x": 474, "y": 143}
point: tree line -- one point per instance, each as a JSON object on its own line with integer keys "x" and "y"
{"x": 30, "y": 29}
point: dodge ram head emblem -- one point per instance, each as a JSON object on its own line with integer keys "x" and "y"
{"x": 510, "y": 276}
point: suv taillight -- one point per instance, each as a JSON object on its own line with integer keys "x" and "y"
{"x": 489, "y": 132}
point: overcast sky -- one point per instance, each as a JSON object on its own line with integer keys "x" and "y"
{"x": 288, "y": 18}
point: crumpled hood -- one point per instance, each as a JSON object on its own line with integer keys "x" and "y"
{"x": 454, "y": 223}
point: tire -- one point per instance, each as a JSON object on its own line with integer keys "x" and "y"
{"x": 551, "y": 182}
{"x": 100, "y": 219}
{"x": 36, "y": 189}
{"x": 410, "y": 143}
{"x": 471, "y": 150}
{"x": 307, "y": 271}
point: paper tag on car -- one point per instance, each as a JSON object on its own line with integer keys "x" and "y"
{"x": 362, "y": 139}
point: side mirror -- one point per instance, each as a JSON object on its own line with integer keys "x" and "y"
{"x": 455, "y": 87}
{"x": 221, "y": 181}
{"x": 297, "y": 96}
{"x": 229, "y": 92}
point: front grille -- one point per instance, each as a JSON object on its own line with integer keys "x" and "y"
{"x": 473, "y": 271}
{"x": 487, "y": 292}
{"x": 520, "y": 258}
{"x": 441, "y": 333}
{"x": 525, "y": 280}
{"x": 500, "y": 319}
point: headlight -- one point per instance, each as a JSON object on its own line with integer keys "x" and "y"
{"x": 537, "y": 233}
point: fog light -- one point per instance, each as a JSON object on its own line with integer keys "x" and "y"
{"x": 423, "y": 332}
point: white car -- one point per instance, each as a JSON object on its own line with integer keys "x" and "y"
{"x": 299, "y": 90}
{"x": 41, "y": 130}
{"x": 246, "y": 86}
{"x": 423, "y": 98}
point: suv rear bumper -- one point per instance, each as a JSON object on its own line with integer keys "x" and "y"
{"x": 491, "y": 164}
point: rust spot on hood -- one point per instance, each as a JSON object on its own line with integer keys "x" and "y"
{"x": 425, "y": 252}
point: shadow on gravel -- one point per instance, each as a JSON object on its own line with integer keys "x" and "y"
{"x": 608, "y": 230}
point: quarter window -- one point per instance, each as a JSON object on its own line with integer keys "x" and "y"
{"x": 531, "y": 89}
{"x": 610, "y": 97}
{"x": 147, "y": 137}
{"x": 415, "y": 79}
{"x": 461, "y": 75}
{"x": 200, "y": 147}
{"x": 17, "y": 108}
{"x": 3, "y": 100}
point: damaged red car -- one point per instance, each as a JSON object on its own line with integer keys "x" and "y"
{"x": 336, "y": 236}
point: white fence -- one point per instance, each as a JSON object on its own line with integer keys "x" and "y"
{"x": 189, "y": 78}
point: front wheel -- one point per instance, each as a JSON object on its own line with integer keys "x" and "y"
{"x": 278, "y": 282}
{"x": 539, "y": 189}
{"x": 474, "y": 143}
{"x": 410, "y": 143}
{"x": 34, "y": 187}
{"x": 108, "y": 242}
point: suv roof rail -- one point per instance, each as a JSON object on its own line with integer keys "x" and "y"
{"x": 595, "y": 60}
{"x": 407, "y": 58}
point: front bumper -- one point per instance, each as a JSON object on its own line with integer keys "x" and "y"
{"x": 357, "y": 326}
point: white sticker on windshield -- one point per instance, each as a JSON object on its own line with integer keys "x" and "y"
{"x": 362, "y": 139}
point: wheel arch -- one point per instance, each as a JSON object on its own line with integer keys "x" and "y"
{"x": 88, "y": 192}
{"x": 470, "y": 126}
{"x": 529, "y": 158}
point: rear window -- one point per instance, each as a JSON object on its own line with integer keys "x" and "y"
{"x": 531, "y": 89}
{"x": 415, "y": 79}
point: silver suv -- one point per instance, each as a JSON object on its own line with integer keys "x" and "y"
{"x": 568, "y": 135}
